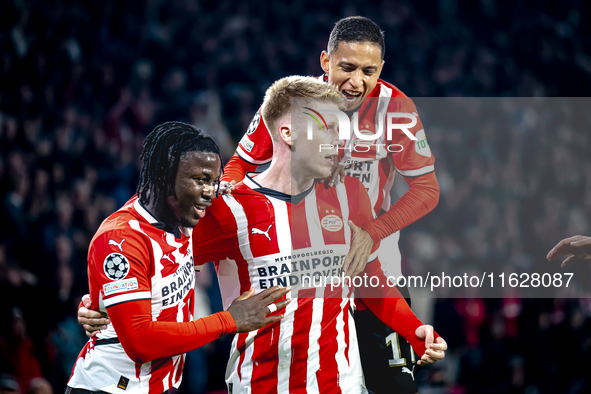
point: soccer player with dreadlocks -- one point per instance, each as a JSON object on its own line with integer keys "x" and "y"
{"x": 140, "y": 268}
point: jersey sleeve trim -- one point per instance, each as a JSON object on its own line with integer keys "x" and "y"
{"x": 246, "y": 157}
{"x": 417, "y": 172}
{"x": 373, "y": 256}
{"x": 120, "y": 299}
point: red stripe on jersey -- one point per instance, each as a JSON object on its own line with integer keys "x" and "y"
{"x": 302, "y": 321}
{"x": 157, "y": 379}
{"x": 263, "y": 234}
{"x": 328, "y": 373}
{"x": 346, "y": 328}
{"x": 265, "y": 359}
{"x": 241, "y": 346}
{"x": 331, "y": 217}
{"x": 300, "y": 236}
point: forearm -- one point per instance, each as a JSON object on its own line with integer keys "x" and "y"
{"x": 419, "y": 200}
{"x": 388, "y": 304}
{"x": 145, "y": 340}
{"x": 236, "y": 169}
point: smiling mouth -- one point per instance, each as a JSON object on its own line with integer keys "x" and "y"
{"x": 200, "y": 210}
{"x": 351, "y": 95}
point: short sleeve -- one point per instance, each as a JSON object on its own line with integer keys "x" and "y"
{"x": 256, "y": 146}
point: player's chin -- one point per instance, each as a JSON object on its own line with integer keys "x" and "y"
{"x": 190, "y": 222}
{"x": 353, "y": 104}
{"x": 324, "y": 171}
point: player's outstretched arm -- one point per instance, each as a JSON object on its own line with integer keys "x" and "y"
{"x": 250, "y": 311}
{"x": 135, "y": 328}
{"x": 578, "y": 247}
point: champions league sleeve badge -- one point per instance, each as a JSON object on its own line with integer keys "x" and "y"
{"x": 254, "y": 123}
{"x": 116, "y": 266}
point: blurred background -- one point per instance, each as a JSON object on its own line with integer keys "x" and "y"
{"x": 82, "y": 83}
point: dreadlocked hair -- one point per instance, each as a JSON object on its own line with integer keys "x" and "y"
{"x": 163, "y": 148}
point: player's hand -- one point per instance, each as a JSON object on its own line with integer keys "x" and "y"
{"x": 337, "y": 171}
{"x": 435, "y": 347}
{"x": 91, "y": 321}
{"x": 226, "y": 187}
{"x": 250, "y": 311}
{"x": 578, "y": 247}
{"x": 361, "y": 245}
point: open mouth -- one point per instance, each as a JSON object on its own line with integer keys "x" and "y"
{"x": 200, "y": 210}
{"x": 351, "y": 95}
{"x": 330, "y": 159}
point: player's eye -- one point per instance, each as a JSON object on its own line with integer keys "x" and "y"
{"x": 348, "y": 69}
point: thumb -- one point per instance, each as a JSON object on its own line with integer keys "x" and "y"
{"x": 353, "y": 226}
{"x": 247, "y": 294}
{"x": 426, "y": 332}
{"x": 576, "y": 244}
{"x": 86, "y": 301}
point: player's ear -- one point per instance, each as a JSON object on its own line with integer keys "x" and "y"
{"x": 381, "y": 67}
{"x": 285, "y": 133}
{"x": 325, "y": 62}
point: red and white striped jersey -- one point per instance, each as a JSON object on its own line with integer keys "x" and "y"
{"x": 132, "y": 258}
{"x": 376, "y": 167}
{"x": 273, "y": 239}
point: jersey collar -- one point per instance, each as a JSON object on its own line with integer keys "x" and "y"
{"x": 254, "y": 185}
{"x": 155, "y": 222}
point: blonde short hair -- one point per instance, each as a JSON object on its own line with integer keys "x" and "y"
{"x": 278, "y": 97}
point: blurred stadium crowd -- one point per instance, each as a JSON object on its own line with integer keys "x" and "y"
{"x": 82, "y": 83}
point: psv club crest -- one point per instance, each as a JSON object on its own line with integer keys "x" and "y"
{"x": 332, "y": 223}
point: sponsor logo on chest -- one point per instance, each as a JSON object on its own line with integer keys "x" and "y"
{"x": 172, "y": 289}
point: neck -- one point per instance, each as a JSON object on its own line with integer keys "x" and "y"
{"x": 279, "y": 177}
{"x": 162, "y": 213}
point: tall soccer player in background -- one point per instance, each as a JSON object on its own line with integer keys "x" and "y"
{"x": 353, "y": 62}
{"x": 284, "y": 226}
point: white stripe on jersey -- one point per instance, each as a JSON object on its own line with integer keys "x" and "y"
{"x": 241, "y": 225}
{"x": 313, "y": 345}
{"x": 245, "y": 156}
{"x": 313, "y": 219}
{"x": 283, "y": 230}
{"x": 417, "y": 172}
{"x": 282, "y": 226}
{"x": 343, "y": 201}
{"x": 247, "y": 364}
{"x": 284, "y": 365}
{"x": 139, "y": 295}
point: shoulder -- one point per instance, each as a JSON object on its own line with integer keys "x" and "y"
{"x": 123, "y": 230}
{"x": 386, "y": 89}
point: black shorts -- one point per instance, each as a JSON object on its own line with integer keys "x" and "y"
{"x": 388, "y": 360}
